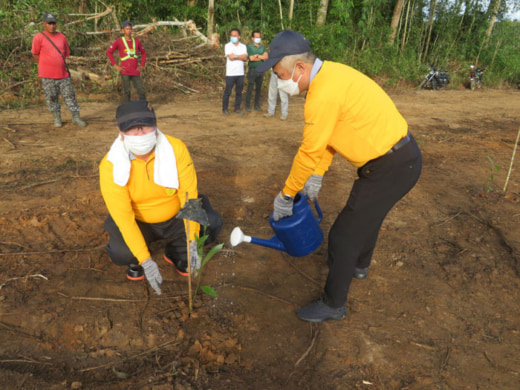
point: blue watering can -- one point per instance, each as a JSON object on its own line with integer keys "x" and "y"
{"x": 298, "y": 235}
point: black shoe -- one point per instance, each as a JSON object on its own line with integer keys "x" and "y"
{"x": 258, "y": 108}
{"x": 239, "y": 112}
{"x": 319, "y": 312}
{"x": 225, "y": 112}
{"x": 361, "y": 273}
{"x": 135, "y": 272}
{"x": 248, "y": 109}
{"x": 180, "y": 266}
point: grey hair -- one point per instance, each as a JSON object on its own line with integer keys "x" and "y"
{"x": 288, "y": 61}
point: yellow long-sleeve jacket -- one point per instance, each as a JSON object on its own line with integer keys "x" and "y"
{"x": 348, "y": 113}
{"x": 144, "y": 200}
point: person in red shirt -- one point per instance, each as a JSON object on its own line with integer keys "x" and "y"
{"x": 49, "y": 50}
{"x": 129, "y": 67}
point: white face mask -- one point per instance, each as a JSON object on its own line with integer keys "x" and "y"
{"x": 140, "y": 144}
{"x": 258, "y": 40}
{"x": 290, "y": 86}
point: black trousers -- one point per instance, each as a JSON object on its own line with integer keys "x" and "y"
{"x": 171, "y": 230}
{"x": 138, "y": 85}
{"x": 381, "y": 183}
{"x": 230, "y": 82}
{"x": 255, "y": 80}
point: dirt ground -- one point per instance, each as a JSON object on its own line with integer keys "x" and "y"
{"x": 439, "y": 309}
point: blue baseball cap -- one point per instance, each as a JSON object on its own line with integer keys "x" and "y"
{"x": 126, "y": 24}
{"x": 284, "y": 44}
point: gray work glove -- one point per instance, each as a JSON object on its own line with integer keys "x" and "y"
{"x": 151, "y": 271}
{"x": 283, "y": 205}
{"x": 312, "y": 187}
{"x": 194, "y": 258}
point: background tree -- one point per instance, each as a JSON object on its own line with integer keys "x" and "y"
{"x": 322, "y": 12}
{"x": 211, "y": 18}
{"x": 395, "y": 20}
{"x": 391, "y": 40}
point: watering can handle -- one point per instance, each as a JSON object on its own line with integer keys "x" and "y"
{"x": 318, "y": 209}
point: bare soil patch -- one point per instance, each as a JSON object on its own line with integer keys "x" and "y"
{"x": 438, "y": 311}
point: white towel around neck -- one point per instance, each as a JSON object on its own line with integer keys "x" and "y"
{"x": 165, "y": 164}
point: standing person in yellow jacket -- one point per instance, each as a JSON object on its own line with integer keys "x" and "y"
{"x": 131, "y": 65}
{"x": 346, "y": 113}
{"x": 144, "y": 179}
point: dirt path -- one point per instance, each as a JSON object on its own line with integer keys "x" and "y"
{"x": 438, "y": 311}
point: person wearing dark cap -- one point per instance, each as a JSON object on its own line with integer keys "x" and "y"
{"x": 130, "y": 66}
{"x": 347, "y": 113}
{"x": 145, "y": 179}
{"x": 49, "y": 50}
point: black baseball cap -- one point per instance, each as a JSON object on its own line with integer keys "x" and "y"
{"x": 49, "y": 18}
{"x": 126, "y": 24}
{"x": 285, "y": 43}
{"x": 134, "y": 113}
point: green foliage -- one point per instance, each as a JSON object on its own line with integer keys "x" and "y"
{"x": 494, "y": 168}
{"x": 204, "y": 260}
{"x": 356, "y": 32}
{"x": 209, "y": 291}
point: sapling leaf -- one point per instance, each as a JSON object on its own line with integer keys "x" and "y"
{"x": 493, "y": 168}
{"x": 209, "y": 290}
{"x": 212, "y": 252}
{"x": 200, "y": 250}
{"x": 201, "y": 241}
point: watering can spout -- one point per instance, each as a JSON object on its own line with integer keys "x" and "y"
{"x": 273, "y": 243}
{"x": 237, "y": 236}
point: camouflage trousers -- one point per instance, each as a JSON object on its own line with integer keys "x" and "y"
{"x": 52, "y": 89}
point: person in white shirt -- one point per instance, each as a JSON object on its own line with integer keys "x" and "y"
{"x": 273, "y": 97}
{"x": 236, "y": 54}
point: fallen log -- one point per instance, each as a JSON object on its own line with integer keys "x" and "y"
{"x": 83, "y": 74}
{"x": 189, "y": 26}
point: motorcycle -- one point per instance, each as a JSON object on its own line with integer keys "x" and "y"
{"x": 475, "y": 77}
{"x": 435, "y": 79}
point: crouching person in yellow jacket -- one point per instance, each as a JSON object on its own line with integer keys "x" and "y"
{"x": 144, "y": 179}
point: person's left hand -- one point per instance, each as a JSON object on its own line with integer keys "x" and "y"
{"x": 283, "y": 206}
{"x": 194, "y": 258}
{"x": 139, "y": 68}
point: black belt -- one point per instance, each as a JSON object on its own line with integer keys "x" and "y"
{"x": 399, "y": 145}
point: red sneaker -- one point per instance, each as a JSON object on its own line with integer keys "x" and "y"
{"x": 180, "y": 271}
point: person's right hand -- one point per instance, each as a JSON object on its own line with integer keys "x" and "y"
{"x": 118, "y": 67}
{"x": 153, "y": 275}
{"x": 283, "y": 206}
